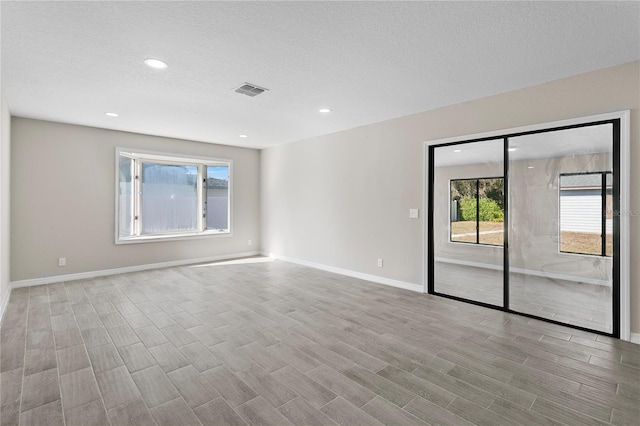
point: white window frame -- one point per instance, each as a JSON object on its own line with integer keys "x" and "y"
{"x": 172, "y": 159}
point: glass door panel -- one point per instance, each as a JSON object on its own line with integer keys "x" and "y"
{"x": 560, "y": 225}
{"x": 468, "y": 214}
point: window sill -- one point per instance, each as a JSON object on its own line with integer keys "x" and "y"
{"x": 462, "y": 243}
{"x": 588, "y": 255}
{"x": 171, "y": 237}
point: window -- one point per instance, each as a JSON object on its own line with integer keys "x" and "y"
{"x": 477, "y": 211}
{"x": 162, "y": 196}
{"x": 586, "y": 213}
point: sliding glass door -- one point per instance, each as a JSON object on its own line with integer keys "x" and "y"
{"x": 469, "y": 221}
{"x": 561, "y": 225}
{"x": 526, "y": 223}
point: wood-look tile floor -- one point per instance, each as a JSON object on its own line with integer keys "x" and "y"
{"x": 276, "y": 343}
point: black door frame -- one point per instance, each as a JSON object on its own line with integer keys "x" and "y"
{"x": 616, "y": 129}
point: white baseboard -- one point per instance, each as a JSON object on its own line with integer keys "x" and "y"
{"x": 635, "y": 338}
{"x": 126, "y": 269}
{"x": 373, "y": 278}
{"x": 5, "y": 303}
{"x": 533, "y": 272}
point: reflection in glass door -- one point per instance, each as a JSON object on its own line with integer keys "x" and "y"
{"x": 468, "y": 219}
{"x": 561, "y": 225}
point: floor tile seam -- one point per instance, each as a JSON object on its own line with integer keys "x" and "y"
{"x": 360, "y": 350}
{"x": 451, "y": 402}
{"x": 24, "y": 359}
{"x": 552, "y": 344}
{"x": 534, "y": 401}
{"x": 611, "y": 416}
{"x": 211, "y": 400}
{"x": 238, "y": 406}
{"x": 611, "y": 348}
{"x": 340, "y": 396}
{"x": 488, "y": 409}
{"x": 456, "y": 396}
{"x": 165, "y": 403}
{"x": 165, "y": 372}
{"x": 268, "y": 373}
{"x": 356, "y": 349}
{"x": 278, "y": 369}
{"x": 553, "y": 388}
{"x": 341, "y": 373}
{"x": 492, "y": 402}
{"x": 576, "y": 397}
{"x": 400, "y": 407}
{"x": 462, "y": 366}
{"x": 527, "y": 410}
{"x": 419, "y": 397}
{"x": 572, "y": 410}
{"x": 573, "y": 370}
{"x": 617, "y": 388}
{"x": 86, "y": 352}
{"x": 627, "y": 365}
{"x": 471, "y": 402}
{"x": 127, "y": 402}
{"x": 597, "y": 400}
{"x": 278, "y": 407}
{"x": 514, "y": 388}
{"x": 64, "y": 419}
{"x": 239, "y": 378}
{"x": 308, "y": 377}
{"x": 614, "y": 370}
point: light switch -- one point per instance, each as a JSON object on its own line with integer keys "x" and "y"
{"x": 414, "y": 213}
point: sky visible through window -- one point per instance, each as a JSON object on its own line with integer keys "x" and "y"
{"x": 218, "y": 172}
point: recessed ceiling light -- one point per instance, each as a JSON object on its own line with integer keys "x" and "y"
{"x": 324, "y": 110}
{"x": 457, "y": 150}
{"x": 530, "y": 167}
{"x": 243, "y": 136}
{"x": 513, "y": 149}
{"x": 111, "y": 114}
{"x": 156, "y": 63}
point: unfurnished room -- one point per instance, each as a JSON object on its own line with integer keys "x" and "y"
{"x": 319, "y": 213}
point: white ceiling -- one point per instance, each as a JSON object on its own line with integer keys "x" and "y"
{"x": 368, "y": 61}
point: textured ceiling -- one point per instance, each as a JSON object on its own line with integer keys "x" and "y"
{"x": 368, "y": 61}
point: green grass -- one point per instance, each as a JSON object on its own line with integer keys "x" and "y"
{"x": 469, "y": 227}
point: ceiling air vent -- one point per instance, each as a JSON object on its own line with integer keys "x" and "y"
{"x": 250, "y": 89}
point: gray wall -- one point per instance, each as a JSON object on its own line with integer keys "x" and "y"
{"x": 342, "y": 199}
{"x": 63, "y": 200}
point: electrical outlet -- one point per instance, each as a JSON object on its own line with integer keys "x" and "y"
{"x": 249, "y": 242}
{"x": 414, "y": 213}
{"x": 379, "y": 263}
{"x": 62, "y": 261}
